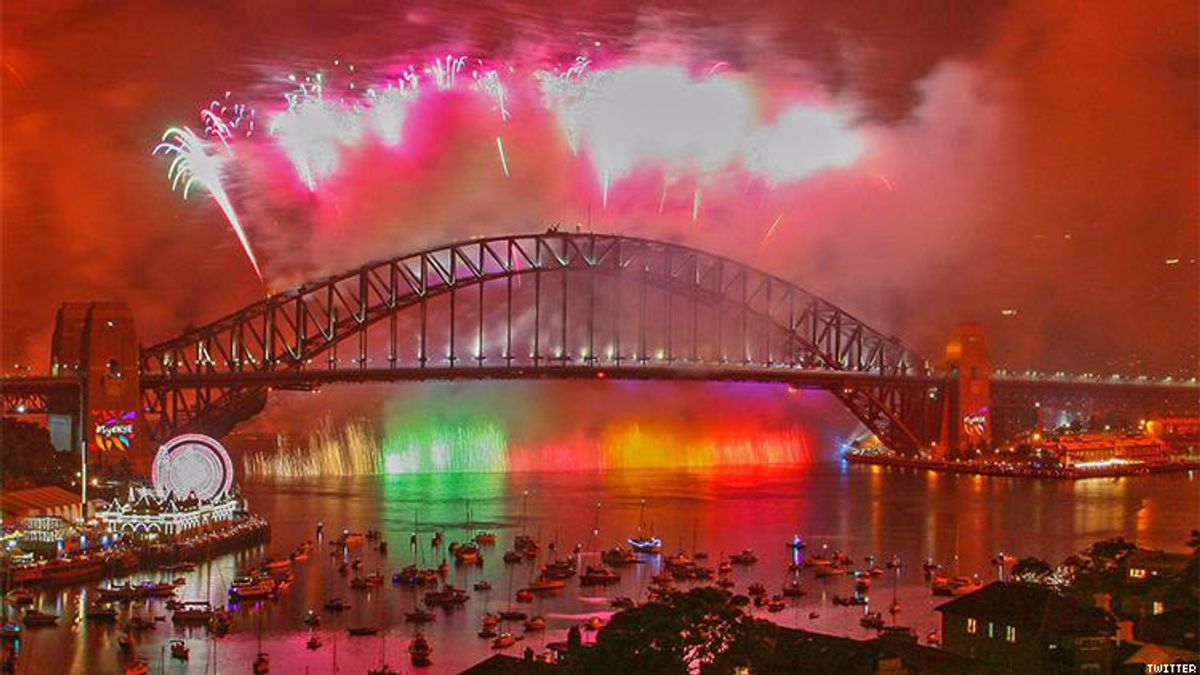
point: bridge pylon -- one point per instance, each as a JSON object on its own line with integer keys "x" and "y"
{"x": 967, "y": 422}
{"x": 96, "y": 344}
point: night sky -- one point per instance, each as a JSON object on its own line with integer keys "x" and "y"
{"x": 1036, "y": 156}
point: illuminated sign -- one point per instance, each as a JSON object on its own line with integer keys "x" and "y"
{"x": 192, "y": 464}
{"x": 976, "y": 425}
{"x": 113, "y": 429}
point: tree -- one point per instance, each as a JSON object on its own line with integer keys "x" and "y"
{"x": 699, "y": 630}
{"x": 1032, "y": 570}
{"x": 27, "y": 458}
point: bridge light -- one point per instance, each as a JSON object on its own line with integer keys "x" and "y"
{"x": 21, "y": 409}
{"x": 601, "y": 375}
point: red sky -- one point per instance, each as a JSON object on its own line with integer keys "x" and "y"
{"x": 1039, "y": 156}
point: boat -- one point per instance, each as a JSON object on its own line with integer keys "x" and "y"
{"x": 420, "y": 650}
{"x": 192, "y": 612}
{"x": 140, "y": 623}
{"x": 797, "y": 543}
{"x": 262, "y": 663}
{"x": 181, "y": 566}
{"x": 792, "y": 589}
{"x": 159, "y": 590}
{"x": 487, "y": 632}
{"x": 598, "y": 576}
{"x": 482, "y": 586}
{"x": 642, "y": 543}
{"x": 179, "y": 650}
{"x": 513, "y": 615}
{"x": 535, "y": 623}
{"x": 814, "y": 615}
{"x": 503, "y": 641}
{"x": 123, "y": 593}
{"x": 724, "y": 567}
{"x": 98, "y": 612}
{"x": 363, "y": 630}
{"x": 512, "y": 557}
{"x": 20, "y": 596}
{"x": 862, "y": 581}
{"x": 490, "y": 619}
{"x": 314, "y": 642}
{"x": 594, "y": 623}
{"x": 312, "y": 619}
{"x": 830, "y": 571}
{"x": 776, "y": 604}
{"x": 468, "y": 554}
{"x": 447, "y": 597}
{"x": 252, "y": 588}
{"x": 622, "y": 602}
{"x": 485, "y": 538}
{"x": 125, "y": 643}
{"x": 419, "y": 616}
{"x": 873, "y": 620}
{"x": 619, "y": 555}
{"x": 545, "y": 585}
{"x": 746, "y": 557}
{"x": 524, "y": 595}
{"x": 138, "y": 667}
{"x": 964, "y": 585}
{"x": 35, "y": 618}
{"x": 10, "y": 631}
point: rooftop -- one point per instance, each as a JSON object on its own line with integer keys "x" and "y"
{"x": 1031, "y": 606}
{"x": 19, "y": 503}
{"x": 501, "y": 664}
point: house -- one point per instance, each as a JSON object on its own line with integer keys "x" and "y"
{"x": 799, "y": 651}
{"x": 501, "y": 664}
{"x": 1028, "y": 628}
{"x": 1144, "y": 565}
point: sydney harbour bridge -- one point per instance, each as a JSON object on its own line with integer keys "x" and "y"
{"x": 538, "y": 306}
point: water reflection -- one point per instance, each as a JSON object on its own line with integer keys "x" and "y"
{"x": 860, "y": 510}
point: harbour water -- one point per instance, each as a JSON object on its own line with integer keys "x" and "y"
{"x": 961, "y": 521}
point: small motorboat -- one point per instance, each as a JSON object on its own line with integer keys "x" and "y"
{"x": 138, "y": 667}
{"x": 36, "y": 618}
{"x": 776, "y": 604}
{"x": 484, "y": 538}
{"x": 746, "y": 557}
{"x": 312, "y": 619}
{"x": 140, "y": 623}
{"x": 314, "y": 642}
{"x": 535, "y": 623}
{"x": 792, "y": 589}
{"x": 873, "y": 620}
{"x": 101, "y": 613}
{"x": 483, "y": 586}
{"x": 363, "y": 630}
{"x": 524, "y": 596}
{"x": 420, "y": 650}
{"x": 420, "y": 616}
{"x": 490, "y": 619}
{"x": 545, "y": 585}
{"x": 598, "y": 576}
{"x": 622, "y": 602}
{"x": 513, "y": 615}
{"x": 513, "y": 557}
{"x": 814, "y": 615}
{"x": 503, "y": 641}
{"x": 179, "y": 650}
{"x": 335, "y": 605}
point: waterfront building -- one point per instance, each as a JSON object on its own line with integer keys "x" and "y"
{"x": 145, "y": 514}
{"x": 1028, "y": 628}
{"x": 1099, "y": 450}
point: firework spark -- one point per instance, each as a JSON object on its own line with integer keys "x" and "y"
{"x": 197, "y": 163}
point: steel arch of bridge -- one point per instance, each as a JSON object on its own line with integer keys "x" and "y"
{"x": 553, "y": 304}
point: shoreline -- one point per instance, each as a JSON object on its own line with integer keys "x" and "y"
{"x": 1005, "y": 470}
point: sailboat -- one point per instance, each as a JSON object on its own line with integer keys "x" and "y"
{"x": 641, "y": 543}
{"x": 384, "y": 668}
{"x": 262, "y": 662}
{"x": 467, "y": 553}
